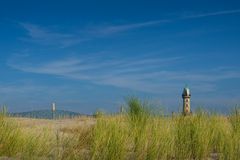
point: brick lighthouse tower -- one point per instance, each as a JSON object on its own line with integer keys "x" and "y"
{"x": 186, "y": 101}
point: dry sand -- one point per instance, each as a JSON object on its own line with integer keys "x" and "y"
{"x": 31, "y": 124}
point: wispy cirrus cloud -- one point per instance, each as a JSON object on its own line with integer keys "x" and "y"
{"x": 136, "y": 75}
{"x": 209, "y": 14}
{"x": 45, "y": 36}
{"x": 111, "y": 29}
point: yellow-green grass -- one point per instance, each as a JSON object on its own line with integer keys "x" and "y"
{"x": 136, "y": 134}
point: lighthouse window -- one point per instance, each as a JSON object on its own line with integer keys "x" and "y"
{"x": 186, "y": 100}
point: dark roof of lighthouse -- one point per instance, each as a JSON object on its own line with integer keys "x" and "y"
{"x": 186, "y": 92}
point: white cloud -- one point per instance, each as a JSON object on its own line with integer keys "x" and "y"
{"x": 111, "y": 29}
{"x": 125, "y": 73}
{"x": 45, "y": 36}
{"x": 224, "y": 12}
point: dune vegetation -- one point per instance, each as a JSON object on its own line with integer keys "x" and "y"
{"x": 135, "y": 134}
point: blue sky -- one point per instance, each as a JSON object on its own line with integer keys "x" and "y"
{"x": 88, "y": 55}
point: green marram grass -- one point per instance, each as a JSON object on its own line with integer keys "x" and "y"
{"x": 136, "y": 134}
{"x": 16, "y": 143}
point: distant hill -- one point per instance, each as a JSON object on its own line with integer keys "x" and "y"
{"x": 46, "y": 114}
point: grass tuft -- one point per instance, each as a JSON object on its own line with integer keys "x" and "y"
{"x": 138, "y": 134}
